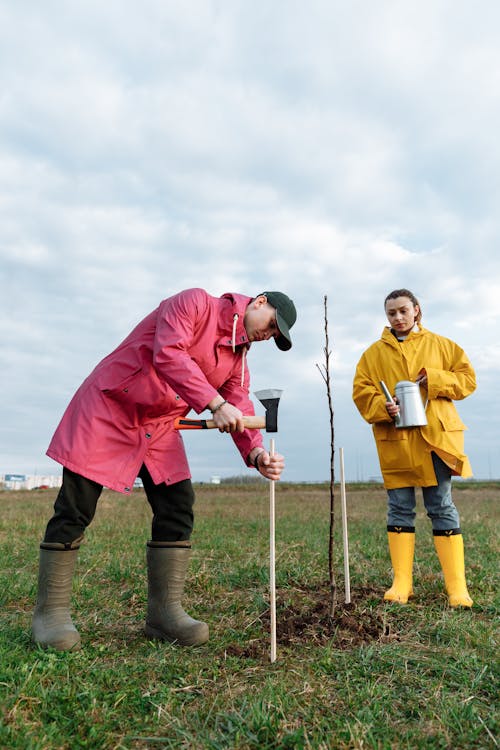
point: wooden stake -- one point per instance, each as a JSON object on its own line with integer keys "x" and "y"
{"x": 344, "y": 529}
{"x": 272, "y": 561}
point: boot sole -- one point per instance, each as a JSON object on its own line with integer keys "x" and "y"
{"x": 460, "y": 604}
{"x": 160, "y": 635}
{"x": 394, "y": 600}
{"x": 59, "y": 646}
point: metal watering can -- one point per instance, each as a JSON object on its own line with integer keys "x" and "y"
{"x": 411, "y": 408}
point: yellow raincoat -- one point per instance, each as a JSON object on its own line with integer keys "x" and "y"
{"x": 405, "y": 454}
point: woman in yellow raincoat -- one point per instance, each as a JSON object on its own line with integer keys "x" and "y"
{"x": 425, "y": 456}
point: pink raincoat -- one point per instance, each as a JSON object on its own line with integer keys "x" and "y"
{"x": 184, "y": 353}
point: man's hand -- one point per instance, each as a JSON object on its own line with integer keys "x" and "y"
{"x": 270, "y": 466}
{"x": 228, "y": 418}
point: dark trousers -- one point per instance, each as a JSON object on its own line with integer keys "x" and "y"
{"x": 76, "y": 503}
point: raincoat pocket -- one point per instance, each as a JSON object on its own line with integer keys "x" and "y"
{"x": 393, "y": 447}
{"x": 451, "y": 423}
{"x": 119, "y": 384}
{"x": 143, "y": 394}
{"x": 447, "y": 416}
{"x": 387, "y": 431}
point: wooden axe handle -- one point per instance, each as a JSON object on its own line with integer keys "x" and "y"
{"x": 183, "y": 423}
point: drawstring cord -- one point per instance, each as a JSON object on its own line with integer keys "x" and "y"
{"x": 243, "y": 351}
{"x": 235, "y": 321}
{"x": 243, "y": 355}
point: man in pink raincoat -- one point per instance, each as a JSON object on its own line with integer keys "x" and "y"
{"x": 189, "y": 353}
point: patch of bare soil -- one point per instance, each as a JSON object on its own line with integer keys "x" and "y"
{"x": 303, "y": 615}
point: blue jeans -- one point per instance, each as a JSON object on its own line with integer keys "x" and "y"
{"x": 437, "y": 500}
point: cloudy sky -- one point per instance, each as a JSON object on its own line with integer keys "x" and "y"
{"x": 321, "y": 148}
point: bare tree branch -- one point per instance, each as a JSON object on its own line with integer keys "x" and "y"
{"x": 325, "y": 374}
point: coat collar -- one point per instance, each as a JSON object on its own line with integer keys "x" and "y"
{"x": 232, "y": 305}
{"x": 389, "y": 338}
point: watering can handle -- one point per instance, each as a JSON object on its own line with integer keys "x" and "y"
{"x": 388, "y": 396}
{"x": 426, "y": 402}
{"x": 422, "y": 376}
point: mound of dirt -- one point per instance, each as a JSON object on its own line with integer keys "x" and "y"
{"x": 306, "y": 617}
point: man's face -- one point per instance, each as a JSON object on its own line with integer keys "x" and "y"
{"x": 401, "y": 314}
{"x": 260, "y": 320}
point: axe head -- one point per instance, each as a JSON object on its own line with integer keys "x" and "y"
{"x": 269, "y": 398}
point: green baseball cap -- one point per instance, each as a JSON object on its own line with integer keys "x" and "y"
{"x": 286, "y": 315}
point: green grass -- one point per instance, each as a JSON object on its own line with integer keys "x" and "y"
{"x": 419, "y": 676}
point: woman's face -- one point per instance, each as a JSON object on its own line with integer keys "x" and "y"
{"x": 401, "y": 314}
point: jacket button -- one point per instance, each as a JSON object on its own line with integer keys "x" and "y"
{"x": 125, "y": 390}
{"x": 177, "y": 398}
{"x": 148, "y": 435}
{"x": 127, "y": 489}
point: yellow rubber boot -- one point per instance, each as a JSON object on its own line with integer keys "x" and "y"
{"x": 402, "y": 549}
{"x": 450, "y": 551}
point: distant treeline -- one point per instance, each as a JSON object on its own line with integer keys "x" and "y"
{"x": 240, "y": 479}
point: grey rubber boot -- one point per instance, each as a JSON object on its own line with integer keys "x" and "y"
{"x": 167, "y": 567}
{"x": 52, "y": 625}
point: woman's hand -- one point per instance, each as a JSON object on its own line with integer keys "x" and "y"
{"x": 392, "y": 408}
{"x": 422, "y": 378}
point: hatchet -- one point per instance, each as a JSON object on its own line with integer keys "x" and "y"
{"x": 269, "y": 422}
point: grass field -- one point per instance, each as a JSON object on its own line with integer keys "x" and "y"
{"x": 377, "y": 676}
